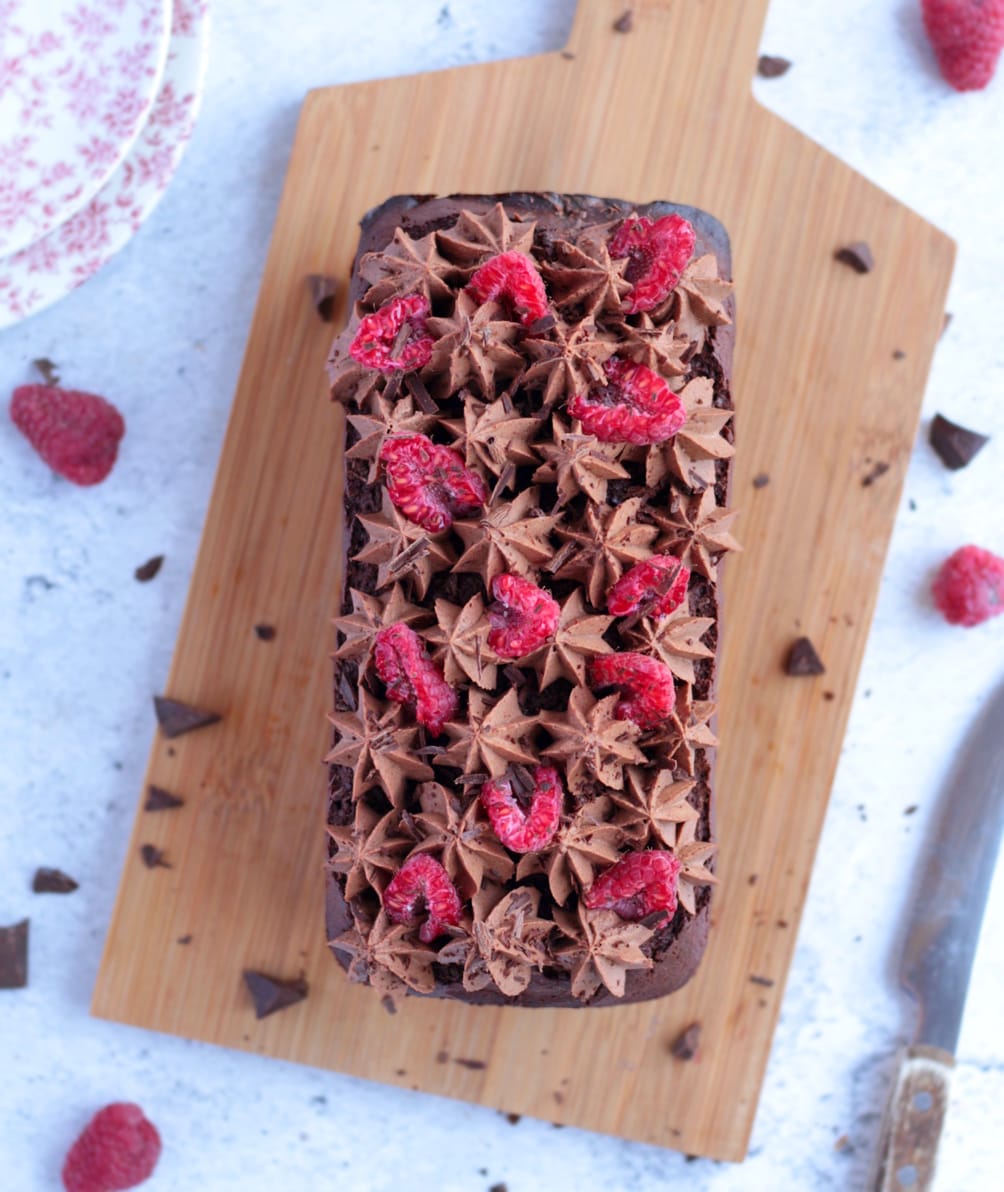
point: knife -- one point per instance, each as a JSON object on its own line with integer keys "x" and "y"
{"x": 941, "y": 936}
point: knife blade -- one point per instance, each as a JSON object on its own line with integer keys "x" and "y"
{"x": 942, "y": 931}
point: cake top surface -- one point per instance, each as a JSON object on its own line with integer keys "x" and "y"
{"x": 539, "y": 431}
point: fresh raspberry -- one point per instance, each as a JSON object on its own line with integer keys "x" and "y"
{"x": 77, "y": 434}
{"x": 635, "y": 406}
{"x": 530, "y": 825}
{"x": 412, "y": 678}
{"x": 640, "y": 883}
{"x": 118, "y": 1149}
{"x": 660, "y": 582}
{"x": 429, "y": 483}
{"x": 658, "y": 251}
{"x": 969, "y": 588}
{"x": 522, "y": 618}
{"x": 646, "y": 686}
{"x": 512, "y": 277}
{"x": 422, "y": 886}
{"x": 967, "y": 36}
{"x": 393, "y": 338}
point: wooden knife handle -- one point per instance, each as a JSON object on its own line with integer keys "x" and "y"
{"x": 914, "y": 1116}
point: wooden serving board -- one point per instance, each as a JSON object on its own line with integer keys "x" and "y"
{"x": 823, "y": 395}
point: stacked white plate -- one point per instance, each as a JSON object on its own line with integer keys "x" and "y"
{"x": 98, "y": 99}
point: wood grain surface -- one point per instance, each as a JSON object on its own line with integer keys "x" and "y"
{"x": 823, "y": 396}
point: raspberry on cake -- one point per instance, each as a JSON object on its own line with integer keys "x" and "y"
{"x": 539, "y": 446}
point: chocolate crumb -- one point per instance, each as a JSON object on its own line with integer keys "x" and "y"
{"x": 782, "y": 923}
{"x": 761, "y": 480}
{"x": 684, "y": 1046}
{"x": 184, "y": 939}
{"x": 567, "y": 55}
{"x": 14, "y": 956}
{"x": 946, "y": 321}
{"x": 322, "y": 293}
{"x": 513, "y": 1118}
{"x": 842, "y": 1143}
{"x": 499, "y": 1188}
{"x": 473, "y": 1065}
{"x": 176, "y": 718}
{"x": 158, "y": 799}
{"x": 390, "y": 1006}
{"x": 47, "y": 369}
{"x": 442, "y": 1057}
{"x": 802, "y": 659}
{"x": 857, "y": 255}
{"x": 752, "y": 879}
{"x": 265, "y": 633}
{"x": 558, "y": 1097}
{"x": 879, "y": 469}
{"x": 767, "y": 982}
{"x": 400, "y": 1071}
{"x": 912, "y": 505}
{"x": 829, "y": 695}
{"x": 912, "y": 809}
{"x": 271, "y": 994}
{"x": 53, "y": 881}
{"x": 899, "y": 354}
{"x": 146, "y": 571}
{"x": 956, "y": 446}
{"x": 770, "y": 66}
{"x": 153, "y": 857}
{"x": 625, "y": 22}
{"x": 514, "y": 675}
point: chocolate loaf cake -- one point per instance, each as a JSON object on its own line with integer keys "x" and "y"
{"x": 538, "y": 452}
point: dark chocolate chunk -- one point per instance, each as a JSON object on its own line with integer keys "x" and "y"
{"x": 514, "y": 675}
{"x": 176, "y": 718}
{"x": 899, "y": 354}
{"x": 53, "y": 881}
{"x": 146, "y": 571}
{"x": 956, "y": 445}
{"x": 47, "y": 369}
{"x": 513, "y": 1118}
{"x": 625, "y": 22}
{"x": 265, "y": 633}
{"x": 858, "y": 255}
{"x": 153, "y": 857}
{"x": 14, "y": 956}
{"x": 271, "y": 994}
{"x": 767, "y": 982}
{"x": 158, "y": 799}
{"x": 322, "y": 293}
{"x": 442, "y": 1057}
{"x": 499, "y": 1188}
{"x": 684, "y": 1046}
{"x": 761, "y": 480}
{"x": 770, "y": 66}
{"x": 539, "y": 326}
{"x": 802, "y": 659}
{"x": 420, "y": 395}
{"x": 474, "y": 1065}
{"x": 875, "y": 473}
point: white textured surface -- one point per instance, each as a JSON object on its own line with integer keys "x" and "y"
{"x": 82, "y": 647}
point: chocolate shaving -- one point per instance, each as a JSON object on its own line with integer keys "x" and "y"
{"x": 767, "y": 982}
{"x": 946, "y": 321}
{"x": 323, "y": 289}
{"x": 271, "y": 994}
{"x": 146, "y": 571}
{"x": 473, "y": 779}
{"x": 770, "y": 66}
{"x": 430, "y": 751}
{"x": 521, "y": 777}
{"x": 514, "y": 675}
{"x": 474, "y": 1065}
{"x": 153, "y": 857}
{"x": 420, "y": 395}
{"x": 265, "y": 633}
{"x": 541, "y": 325}
{"x": 857, "y": 255}
{"x": 47, "y": 369}
{"x": 504, "y": 481}
{"x": 53, "y": 881}
{"x": 346, "y": 691}
{"x": 802, "y": 659}
{"x": 625, "y": 22}
{"x": 176, "y": 718}
{"x": 956, "y": 446}
{"x": 158, "y": 799}
{"x": 404, "y": 560}
{"x": 561, "y": 557}
{"x": 899, "y": 354}
{"x": 184, "y": 940}
{"x": 877, "y": 471}
{"x": 684, "y": 1046}
{"x": 761, "y": 480}
{"x": 14, "y": 956}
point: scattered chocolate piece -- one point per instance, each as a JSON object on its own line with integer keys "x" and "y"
{"x": 684, "y": 1046}
{"x": 322, "y": 293}
{"x": 767, "y": 982}
{"x": 184, "y": 939}
{"x": 899, "y": 354}
{"x": 878, "y": 470}
{"x": 782, "y": 923}
{"x": 53, "y": 881}
{"x": 499, "y": 1188}
{"x": 146, "y": 571}
{"x": 956, "y": 445}
{"x": 539, "y": 326}
{"x": 420, "y": 394}
{"x": 912, "y": 809}
{"x": 176, "y": 718}
{"x": 946, "y": 321}
{"x": 442, "y": 1057}
{"x": 752, "y": 879}
{"x": 514, "y": 675}
{"x": 770, "y": 66}
{"x": 389, "y": 1005}
{"x": 513, "y": 1118}
{"x": 829, "y": 695}
{"x": 842, "y": 1143}
{"x": 625, "y": 22}
{"x": 271, "y": 994}
{"x": 858, "y": 255}
{"x": 912, "y": 505}
{"x": 761, "y": 480}
{"x": 802, "y": 659}
{"x": 47, "y": 369}
{"x": 567, "y": 55}
{"x": 474, "y": 1065}
{"x": 158, "y": 799}
{"x": 14, "y": 956}
{"x": 265, "y": 633}
{"x": 153, "y": 857}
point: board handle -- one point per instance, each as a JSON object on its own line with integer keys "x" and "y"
{"x": 914, "y": 1117}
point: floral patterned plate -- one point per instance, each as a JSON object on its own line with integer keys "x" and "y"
{"x": 39, "y": 275}
{"x": 77, "y": 81}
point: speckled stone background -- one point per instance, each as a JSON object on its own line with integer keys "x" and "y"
{"x": 83, "y": 646}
